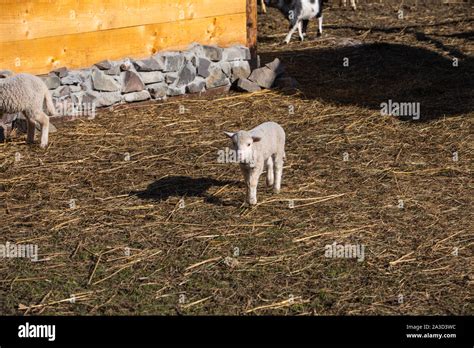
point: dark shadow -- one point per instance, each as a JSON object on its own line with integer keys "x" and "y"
{"x": 405, "y": 28}
{"x": 465, "y": 35}
{"x": 380, "y": 72}
{"x": 183, "y": 186}
{"x": 452, "y": 51}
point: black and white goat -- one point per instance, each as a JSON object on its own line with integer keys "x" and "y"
{"x": 299, "y": 13}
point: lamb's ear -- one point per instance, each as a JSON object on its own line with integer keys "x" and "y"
{"x": 229, "y": 134}
{"x": 256, "y": 139}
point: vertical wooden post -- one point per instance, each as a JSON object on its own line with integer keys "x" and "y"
{"x": 252, "y": 31}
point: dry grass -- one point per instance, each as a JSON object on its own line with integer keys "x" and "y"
{"x": 182, "y": 260}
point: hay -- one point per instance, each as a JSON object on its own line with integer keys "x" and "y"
{"x": 130, "y": 247}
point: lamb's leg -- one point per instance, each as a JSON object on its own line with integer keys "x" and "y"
{"x": 43, "y": 120}
{"x": 300, "y": 30}
{"x": 253, "y": 182}
{"x": 278, "y": 165}
{"x": 264, "y": 7}
{"x": 291, "y": 32}
{"x": 246, "y": 174}
{"x": 30, "y": 130}
{"x": 353, "y": 5}
{"x": 320, "y": 25}
{"x": 270, "y": 176}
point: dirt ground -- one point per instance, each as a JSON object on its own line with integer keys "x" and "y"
{"x": 403, "y": 189}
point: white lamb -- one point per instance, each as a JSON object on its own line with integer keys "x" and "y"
{"x": 27, "y": 94}
{"x": 260, "y": 148}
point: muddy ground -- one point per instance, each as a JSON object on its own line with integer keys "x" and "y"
{"x": 401, "y": 188}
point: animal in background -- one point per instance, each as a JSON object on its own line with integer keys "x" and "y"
{"x": 343, "y": 3}
{"x": 299, "y": 13}
{"x": 27, "y": 94}
{"x": 260, "y": 148}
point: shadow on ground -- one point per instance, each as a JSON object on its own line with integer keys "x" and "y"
{"x": 184, "y": 186}
{"x": 380, "y": 72}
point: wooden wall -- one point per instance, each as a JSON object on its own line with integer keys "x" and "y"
{"x": 38, "y": 36}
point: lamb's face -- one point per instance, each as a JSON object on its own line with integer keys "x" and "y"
{"x": 243, "y": 142}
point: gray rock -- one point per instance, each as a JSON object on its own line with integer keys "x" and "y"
{"x": 240, "y": 70}
{"x": 90, "y": 97}
{"x": 72, "y": 78}
{"x": 190, "y": 57}
{"x": 264, "y": 77}
{"x": 105, "y": 65}
{"x": 104, "y": 83}
{"x": 234, "y": 53}
{"x": 76, "y": 98}
{"x": 85, "y": 73}
{"x": 186, "y": 75}
{"x": 114, "y": 70}
{"x": 203, "y": 65}
{"x": 73, "y": 88}
{"x": 247, "y": 85}
{"x": 51, "y": 81}
{"x": 150, "y": 64}
{"x": 136, "y": 96}
{"x": 276, "y": 66}
{"x": 174, "y": 90}
{"x": 62, "y": 91}
{"x": 158, "y": 90}
{"x": 5, "y": 73}
{"x": 198, "y": 85}
{"x": 216, "y": 77}
{"x": 61, "y": 72}
{"x": 212, "y": 53}
{"x": 196, "y": 49}
{"x": 119, "y": 79}
{"x": 172, "y": 61}
{"x": 86, "y": 84}
{"x": 171, "y": 77}
{"x": 107, "y": 98}
{"x": 226, "y": 68}
{"x": 132, "y": 82}
{"x": 126, "y": 65}
{"x": 151, "y": 77}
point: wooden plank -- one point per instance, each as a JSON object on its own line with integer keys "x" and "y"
{"x": 251, "y": 13}
{"x": 82, "y": 50}
{"x": 33, "y": 19}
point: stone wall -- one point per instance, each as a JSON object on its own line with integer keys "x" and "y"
{"x": 198, "y": 69}
{"x": 165, "y": 74}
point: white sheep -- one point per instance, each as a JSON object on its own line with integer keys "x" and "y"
{"x": 27, "y": 94}
{"x": 261, "y": 148}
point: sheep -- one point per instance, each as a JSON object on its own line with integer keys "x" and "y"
{"x": 299, "y": 13}
{"x": 27, "y": 94}
{"x": 261, "y": 148}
